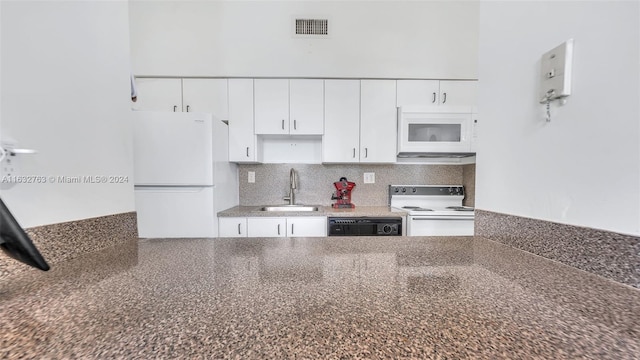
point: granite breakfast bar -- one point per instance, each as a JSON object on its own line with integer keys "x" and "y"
{"x": 316, "y": 298}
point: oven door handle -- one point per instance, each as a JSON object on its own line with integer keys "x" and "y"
{"x": 442, "y": 218}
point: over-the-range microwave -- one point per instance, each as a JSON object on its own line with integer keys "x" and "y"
{"x": 436, "y": 131}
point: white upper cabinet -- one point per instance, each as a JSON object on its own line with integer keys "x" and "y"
{"x": 458, "y": 93}
{"x": 356, "y": 118}
{"x": 242, "y": 140}
{"x": 378, "y": 121}
{"x": 306, "y": 106}
{"x": 341, "y": 140}
{"x": 284, "y": 107}
{"x": 206, "y": 95}
{"x": 271, "y": 101}
{"x": 188, "y": 95}
{"x": 158, "y": 94}
{"x": 360, "y": 121}
{"x": 436, "y": 92}
{"x": 418, "y": 92}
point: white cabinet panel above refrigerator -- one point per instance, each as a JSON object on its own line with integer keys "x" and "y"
{"x": 173, "y": 149}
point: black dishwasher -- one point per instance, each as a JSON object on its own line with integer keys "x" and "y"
{"x": 364, "y": 226}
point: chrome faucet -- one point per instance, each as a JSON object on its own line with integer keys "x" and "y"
{"x": 293, "y": 184}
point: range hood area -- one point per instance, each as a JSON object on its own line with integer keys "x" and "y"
{"x": 434, "y": 155}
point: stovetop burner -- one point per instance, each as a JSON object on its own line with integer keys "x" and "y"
{"x": 416, "y": 208}
{"x": 460, "y": 208}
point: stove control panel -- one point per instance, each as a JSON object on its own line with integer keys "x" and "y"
{"x": 426, "y": 190}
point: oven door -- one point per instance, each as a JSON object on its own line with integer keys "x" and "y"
{"x": 440, "y": 226}
{"x": 423, "y": 130}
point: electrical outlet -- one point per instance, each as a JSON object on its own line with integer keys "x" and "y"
{"x": 9, "y": 168}
{"x": 251, "y": 177}
{"x": 369, "y": 178}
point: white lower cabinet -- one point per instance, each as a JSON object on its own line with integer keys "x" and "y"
{"x": 295, "y": 226}
{"x": 310, "y": 226}
{"x": 232, "y": 227}
{"x": 266, "y": 226}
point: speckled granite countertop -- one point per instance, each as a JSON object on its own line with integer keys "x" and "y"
{"x": 316, "y": 298}
{"x": 251, "y": 211}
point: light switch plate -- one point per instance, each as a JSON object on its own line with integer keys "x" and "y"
{"x": 251, "y": 177}
{"x": 555, "y": 73}
{"x": 369, "y": 178}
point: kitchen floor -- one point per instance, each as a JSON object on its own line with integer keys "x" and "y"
{"x": 322, "y": 298}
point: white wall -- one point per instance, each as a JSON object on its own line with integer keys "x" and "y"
{"x": 423, "y": 39}
{"x": 65, "y": 92}
{"x": 583, "y": 167}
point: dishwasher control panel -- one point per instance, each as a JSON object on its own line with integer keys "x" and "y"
{"x": 364, "y": 226}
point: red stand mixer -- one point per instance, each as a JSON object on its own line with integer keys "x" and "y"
{"x": 343, "y": 194}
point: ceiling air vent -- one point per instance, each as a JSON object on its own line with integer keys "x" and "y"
{"x": 312, "y": 27}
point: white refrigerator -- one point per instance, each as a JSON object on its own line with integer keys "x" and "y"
{"x": 182, "y": 174}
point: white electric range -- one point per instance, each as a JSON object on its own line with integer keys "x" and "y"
{"x": 433, "y": 210}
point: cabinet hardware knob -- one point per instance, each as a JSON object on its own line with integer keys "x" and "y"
{"x": 434, "y": 98}
{"x": 187, "y": 108}
{"x": 444, "y": 98}
{"x": 175, "y": 108}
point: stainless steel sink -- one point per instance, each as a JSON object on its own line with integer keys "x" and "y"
{"x": 290, "y": 208}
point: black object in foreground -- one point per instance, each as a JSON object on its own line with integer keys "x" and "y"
{"x": 16, "y": 243}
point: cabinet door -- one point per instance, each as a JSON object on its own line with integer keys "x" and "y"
{"x": 272, "y": 106}
{"x": 266, "y": 227}
{"x": 206, "y": 95}
{"x": 458, "y": 93}
{"x": 311, "y": 226}
{"x": 306, "y": 107}
{"x": 378, "y": 121}
{"x": 232, "y": 227}
{"x": 159, "y": 94}
{"x": 242, "y": 140}
{"x": 418, "y": 92}
{"x": 340, "y": 142}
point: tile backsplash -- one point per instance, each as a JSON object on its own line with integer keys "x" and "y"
{"x": 315, "y": 181}
{"x": 469, "y": 182}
